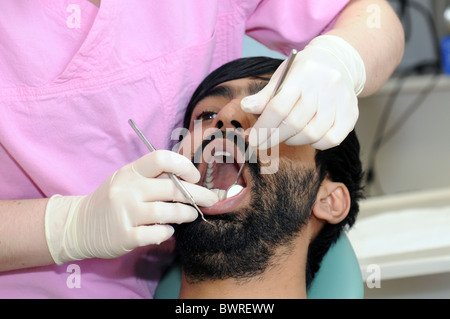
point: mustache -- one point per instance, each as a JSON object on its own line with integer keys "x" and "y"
{"x": 239, "y": 141}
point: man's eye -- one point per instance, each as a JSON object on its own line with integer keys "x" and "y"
{"x": 204, "y": 116}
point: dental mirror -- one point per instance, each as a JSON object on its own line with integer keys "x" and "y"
{"x": 235, "y": 188}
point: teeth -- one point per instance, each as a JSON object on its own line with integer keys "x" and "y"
{"x": 208, "y": 182}
{"x": 209, "y": 185}
{"x": 209, "y": 171}
{"x": 209, "y": 178}
{"x": 222, "y": 153}
{"x": 221, "y": 193}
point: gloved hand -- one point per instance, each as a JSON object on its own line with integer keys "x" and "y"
{"x": 130, "y": 209}
{"x": 317, "y": 103}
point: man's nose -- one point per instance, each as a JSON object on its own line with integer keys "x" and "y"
{"x": 231, "y": 116}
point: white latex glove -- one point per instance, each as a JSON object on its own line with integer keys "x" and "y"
{"x": 317, "y": 103}
{"x": 130, "y": 209}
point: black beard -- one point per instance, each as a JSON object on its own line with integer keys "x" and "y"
{"x": 241, "y": 244}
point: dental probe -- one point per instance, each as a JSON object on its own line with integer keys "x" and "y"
{"x": 173, "y": 177}
{"x": 235, "y": 188}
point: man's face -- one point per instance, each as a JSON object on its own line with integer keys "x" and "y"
{"x": 245, "y": 230}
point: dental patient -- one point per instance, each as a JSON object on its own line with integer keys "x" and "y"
{"x": 268, "y": 240}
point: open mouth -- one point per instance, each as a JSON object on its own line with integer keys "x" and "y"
{"x": 219, "y": 167}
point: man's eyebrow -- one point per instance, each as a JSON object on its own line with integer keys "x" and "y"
{"x": 256, "y": 86}
{"x": 230, "y": 92}
{"x": 221, "y": 91}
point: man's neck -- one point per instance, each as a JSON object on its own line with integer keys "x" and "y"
{"x": 254, "y": 289}
{"x": 285, "y": 280}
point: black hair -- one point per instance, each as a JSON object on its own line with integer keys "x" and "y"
{"x": 340, "y": 164}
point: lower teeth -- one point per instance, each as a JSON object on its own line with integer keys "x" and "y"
{"x": 221, "y": 193}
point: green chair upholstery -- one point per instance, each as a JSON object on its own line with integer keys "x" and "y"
{"x": 339, "y": 276}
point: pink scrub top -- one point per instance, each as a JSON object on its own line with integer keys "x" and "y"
{"x": 73, "y": 74}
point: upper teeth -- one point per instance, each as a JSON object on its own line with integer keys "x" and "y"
{"x": 209, "y": 178}
{"x": 208, "y": 181}
{"x": 222, "y": 153}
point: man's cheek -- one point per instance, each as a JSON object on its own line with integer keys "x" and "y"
{"x": 269, "y": 160}
{"x": 189, "y": 140}
{"x": 183, "y": 147}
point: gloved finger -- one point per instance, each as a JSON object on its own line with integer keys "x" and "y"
{"x": 256, "y": 103}
{"x": 158, "y": 162}
{"x": 150, "y": 235}
{"x": 165, "y": 190}
{"x": 334, "y": 137}
{"x": 302, "y": 113}
{"x": 319, "y": 125}
{"x": 274, "y": 113}
{"x": 163, "y": 213}
{"x": 297, "y": 91}
{"x": 345, "y": 122}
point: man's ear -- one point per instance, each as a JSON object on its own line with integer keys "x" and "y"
{"x": 332, "y": 203}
